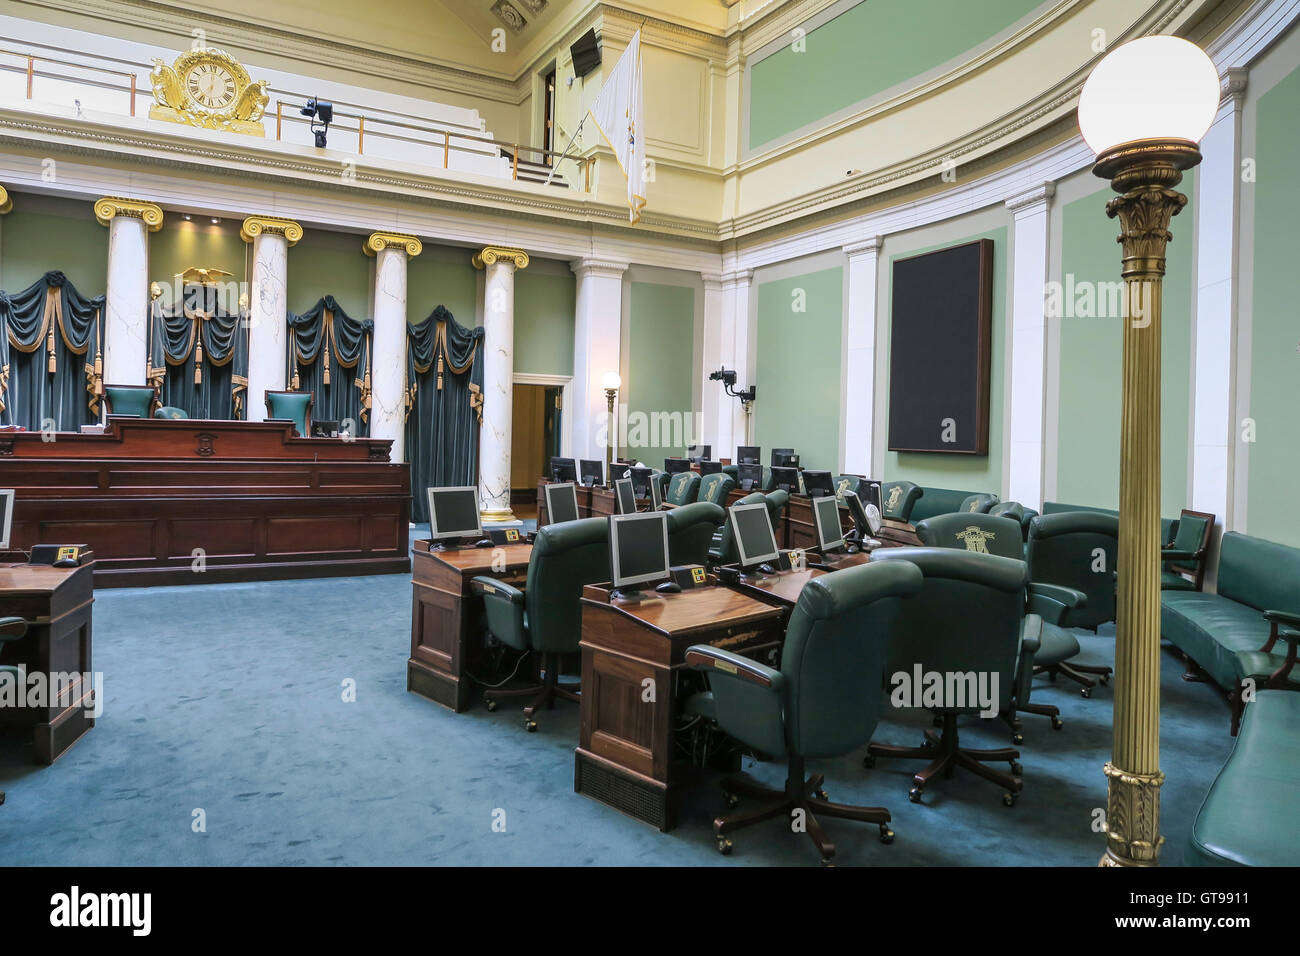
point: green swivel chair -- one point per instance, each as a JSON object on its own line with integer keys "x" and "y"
{"x": 777, "y": 501}
{"x": 690, "y": 532}
{"x": 968, "y": 618}
{"x": 1018, "y": 513}
{"x": 682, "y": 488}
{"x": 135, "y": 400}
{"x": 978, "y": 504}
{"x": 823, "y": 702}
{"x": 724, "y": 550}
{"x": 292, "y": 407}
{"x": 898, "y": 498}
{"x": 715, "y": 488}
{"x": 1182, "y": 561}
{"x": 11, "y": 629}
{"x": 845, "y": 483}
{"x": 170, "y": 412}
{"x": 1072, "y": 557}
{"x": 546, "y": 617}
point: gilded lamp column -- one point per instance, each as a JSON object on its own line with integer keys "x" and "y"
{"x": 498, "y": 378}
{"x": 392, "y": 251}
{"x": 268, "y": 307}
{"x": 126, "y": 296}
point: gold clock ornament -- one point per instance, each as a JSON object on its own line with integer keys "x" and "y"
{"x": 208, "y": 87}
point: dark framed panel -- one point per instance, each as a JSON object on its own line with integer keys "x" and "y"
{"x": 941, "y": 327}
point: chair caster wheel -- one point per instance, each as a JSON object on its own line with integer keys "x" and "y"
{"x": 724, "y": 846}
{"x": 490, "y": 704}
{"x": 733, "y": 801}
{"x": 1086, "y": 693}
{"x": 530, "y": 726}
{"x": 1016, "y": 768}
{"x": 1008, "y": 799}
{"x": 886, "y": 834}
{"x": 868, "y": 762}
{"x": 1057, "y": 723}
{"x": 914, "y": 794}
{"x": 827, "y": 861}
{"x": 821, "y": 795}
{"x": 1017, "y": 738}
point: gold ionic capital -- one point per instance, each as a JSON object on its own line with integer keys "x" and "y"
{"x": 491, "y": 254}
{"x": 1132, "y": 818}
{"x": 110, "y": 207}
{"x": 254, "y": 226}
{"x": 6, "y": 202}
{"x": 379, "y": 241}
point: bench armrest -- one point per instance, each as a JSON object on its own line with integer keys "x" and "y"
{"x": 1282, "y": 617}
{"x": 719, "y": 663}
{"x": 1169, "y": 554}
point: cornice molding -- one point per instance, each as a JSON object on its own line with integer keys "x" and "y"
{"x": 493, "y": 254}
{"x": 379, "y": 241}
{"x": 867, "y": 247}
{"x": 110, "y": 207}
{"x": 6, "y": 202}
{"x": 255, "y": 226}
{"x": 609, "y": 268}
{"x": 1232, "y": 86}
{"x": 1040, "y": 195}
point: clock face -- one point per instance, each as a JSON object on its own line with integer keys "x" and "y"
{"x": 210, "y": 85}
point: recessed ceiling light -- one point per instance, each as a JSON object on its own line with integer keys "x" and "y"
{"x": 216, "y": 221}
{"x": 188, "y": 217}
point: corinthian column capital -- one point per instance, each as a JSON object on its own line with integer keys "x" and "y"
{"x": 110, "y": 207}
{"x": 255, "y": 226}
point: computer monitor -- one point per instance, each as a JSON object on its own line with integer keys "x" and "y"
{"x": 869, "y": 492}
{"x": 675, "y": 466}
{"x": 751, "y": 528}
{"x": 641, "y": 480}
{"x": 625, "y": 496}
{"x": 619, "y": 470}
{"x": 710, "y": 467}
{"x": 656, "y": 496}
{"x": 6, "y": 516}
{"x": 324, "y": 428}
{"x": 818, "y": 484}
{"x": 638, "y": 550}
{"x": 561, "y": 502}
{"x": 778, "y": 456}
{"x": 563, "y": 469}
{"x": 750, "y": 477}
{"x": 592, "y": 471}
{"x": 789, "y": 461}
{"x": 866, "y": 517}
{"x": 749, "y": 455}
{"x": 453, "y": 513}
{"x": 826, "y": 520}
{"x": 787, "y": 479}
{"x": 699, "y": 452}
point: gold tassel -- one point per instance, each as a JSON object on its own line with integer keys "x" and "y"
{"x": 294, "y": 386}
{"x": 198, "y": 363}
{"x": 49, "y": 347}
{"x": 325, "y": 380}
{"x": 440, "y": 371}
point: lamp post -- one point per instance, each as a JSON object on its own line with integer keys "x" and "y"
{"x": 612, "y": 382}
{"x": 1143, "y": 111}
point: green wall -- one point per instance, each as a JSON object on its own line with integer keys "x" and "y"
{"x": 197, "y": 243}
{"x": 1274, "y": 457}
{"x": 545, "y": 306}
{"x": 442, "y": 275}
{"x": 866, "y": 50}
{"x": 660, "y": 367}
{"x": 797, "y": 367}
{"x": 43, "y": 233}
{"x": 961, "y": 472}
{"x": 1091, "y": 360}
{"x": 330, "y": 263}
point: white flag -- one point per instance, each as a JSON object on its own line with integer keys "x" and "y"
{"x": 617, "y": 112}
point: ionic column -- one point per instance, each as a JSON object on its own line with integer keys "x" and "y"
{"x": 860, "y": 356}
{"x": 499, "y": 265}
{"x": 596, "y": 337}
{"x": 392, "y": 251}
{"x": 268, "y": 307}
{"x": 126, "y": 296}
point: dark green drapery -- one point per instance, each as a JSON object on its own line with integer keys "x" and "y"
{"x": 329, "y": 355}
{"x": 198, "y": 355}
{"x": 444, "y": 405}
{"x": 51, "y": 363}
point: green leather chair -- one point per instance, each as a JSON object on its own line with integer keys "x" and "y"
{"x": 978, "y": 503}
{"x": 1018, "y": 513}
{"x": 170, "y": 412}
{"x": 1182, "y": 566}
{"x": 823, "y": 701}
{"x": 898, "y": 498}
{"x": 690, "y": 532}
{"x": 969, "y": 616}
{"x": 546, "y": 617}
{"x": 682, "y": 489}
{"x": 777, "y": 501}
{"x": 845, "y": 483}
{"x": 135, "y": 400}
{"x": 11, "y": 629}
{"x": 724, "y": 550}
{"x": 1064, "y": 588}
{"x": 715, "y": 488}
{"x": 291, "y": 407}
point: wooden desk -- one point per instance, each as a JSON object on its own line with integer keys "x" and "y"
{"x": 781, "y": 588}
{"x": 594, "y": 502}
{"x": 443, "y": 619}
{"x": 800, "y": 530}
{"x": 838, "y": 561}
{"x": 894, "y": 533}
{"x": 625, "y": 756}
{"x": 56, "y": 603}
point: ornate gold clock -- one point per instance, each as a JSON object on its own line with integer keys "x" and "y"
{"x": 208, "y": 87}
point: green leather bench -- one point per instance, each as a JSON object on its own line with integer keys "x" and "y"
{"x": 940, "y": 501}
{"x": 1168, "y": 526}
{"x": 1232, "y": 635}
{"x": 1248, "y": 816}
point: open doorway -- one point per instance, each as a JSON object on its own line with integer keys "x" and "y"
{"x": 534, "y": 439}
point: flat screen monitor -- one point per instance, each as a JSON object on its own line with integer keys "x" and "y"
{"x": 619, "y": 470}
{"x": 779, "y": 455}
{"x": 453, "y": 513}
{"x": 826, "y": 519}
{"x": 750, "y": 476}
{"x": 656, "y": 496}
{"x": 698, "y": 452}
{"x": 324, "y": 428}
{"x": 751, "y": 527}
{"x": 818, "y": 484}
{"x": 675, "y": 466}
{"x": 561, "y": 502}
{"x": 625, "y": 496}
{"x": 749, "y": 455}
{"x": 710, "y": 467}
{"x": 6, "y": 516}
{"x": 563, "y": 469}
{"x": 869, "y": 492}
{"x": 592, "y": 471}
{"x": 638, "y": 549}
{"x": 787, "y": 479}
{"x": 641, "y": 480}
{"x": 866, "y": 517}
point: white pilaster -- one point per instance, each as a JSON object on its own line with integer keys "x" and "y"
{"x": 499, "y": 267}
{"x": 860, "y": 356}
{"x": 126, "y": 296}
{"x": 596, "y": 336}
{"x": 268, "y": 307}
{"x": 1027, "y": 364}
{"x": 737, "y": 288}
{"x": 388, "y": 359}
{"x": 718, "y": 342}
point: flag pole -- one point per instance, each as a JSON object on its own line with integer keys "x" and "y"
{"x": 565, "y": 154}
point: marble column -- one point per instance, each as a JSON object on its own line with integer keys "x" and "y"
{"x": 596, "y": 344}
{"x": 392, "y": 251}
{"x": 499, "y": 265}
{"x": 737, "y": 288}
{"x": 860, "y": 356}
{"x": 268, "y": 307}
{"x": 718, "y": 340}
{"x": 1027, "y": 369}
{"x": 126, "y": 296}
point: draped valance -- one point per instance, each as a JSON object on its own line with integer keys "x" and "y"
{"x": 197, "y": 336}
{"x": 443, "y": 341}
{"x": 327, "y": 348}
